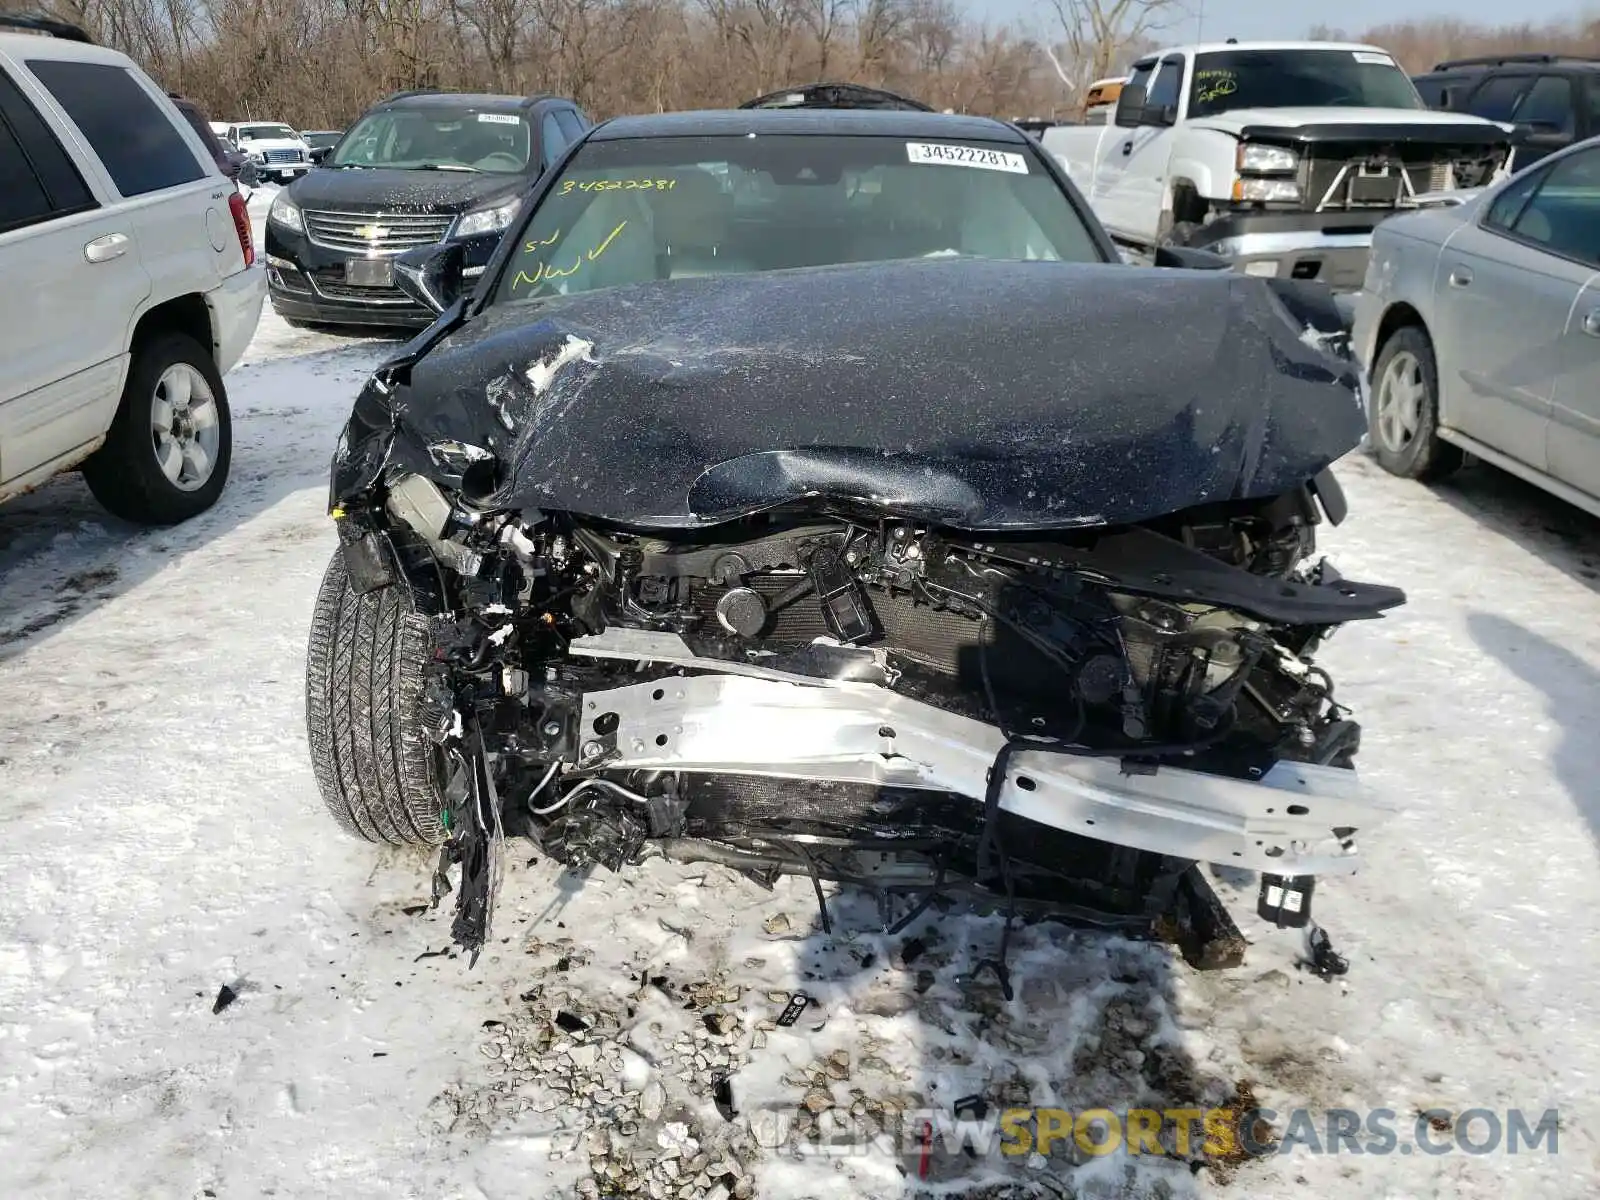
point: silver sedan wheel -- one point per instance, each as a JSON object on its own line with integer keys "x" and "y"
{"x": 184, "y": 427}
{"x": 1401, "y": 391}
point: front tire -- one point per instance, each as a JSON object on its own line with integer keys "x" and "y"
{"x": 1403, "y": 416}
{"x": 375, "y": 767}
{"x": 167, "y": 453}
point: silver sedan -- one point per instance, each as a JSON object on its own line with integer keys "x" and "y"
{"x": 1479, "y": 326}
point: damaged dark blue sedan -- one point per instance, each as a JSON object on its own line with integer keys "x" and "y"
{"x": 815, "y": 492}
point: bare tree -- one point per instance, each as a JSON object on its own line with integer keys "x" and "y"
{"x": 1095, "y": 34}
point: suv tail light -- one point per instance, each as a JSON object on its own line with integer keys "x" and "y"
{"x": 241, "y": 224}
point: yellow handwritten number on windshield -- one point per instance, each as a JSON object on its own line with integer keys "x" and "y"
{"x": 617, "y": 185}
{"x": 544, "y": 271}
{"x": 1213, "y": 85}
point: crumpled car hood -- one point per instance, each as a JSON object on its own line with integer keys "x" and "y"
{"x": 979, "y": 395}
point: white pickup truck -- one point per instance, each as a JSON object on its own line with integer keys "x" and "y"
{"x": 1281, "y": 156}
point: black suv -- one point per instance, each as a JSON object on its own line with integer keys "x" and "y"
{"x": 1554, "y": 99}
{"x": 419, "y": 168}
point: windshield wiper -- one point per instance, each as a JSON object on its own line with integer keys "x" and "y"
{"x": 448, "y": 167}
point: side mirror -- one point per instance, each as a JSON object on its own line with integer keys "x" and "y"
{"x": 1164, "y": 115}
{"x": 431, "y": 275}
{"x": 1526, "y": 129}
{"x": 1190, "y": 258}
{"x": 318, "y": 153}
{"x": 1130, "y": 106}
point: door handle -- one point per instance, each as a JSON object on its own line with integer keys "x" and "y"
{"x": 1127, "y": 147}
{"x": 1591, "y": 323}
{"x": 1460, "y": 277}
{"x": 104, "y": 249}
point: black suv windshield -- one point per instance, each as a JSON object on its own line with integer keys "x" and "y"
{"x": 1233, "y": 79}
{"x": 439, "y": 138}
{"x": 633, "y": 210}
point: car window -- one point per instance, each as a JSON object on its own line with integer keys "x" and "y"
{"x": 265, "y": 133}
{"x": 142, "y": 150}
{"x": 1140, "y": 77}
{"x": 31, "y": 158}
{"x": 572, "y": 123}
{"x": 1496, "y": 99}
{"x": 1225, "y": 80}
{"x": 1167, "y": 85}
{"x": 437, "y": 137}
{"x": 1508, "y": 204}
{"x": 201, "y": 126}
{"x": 635, "y": 210}
{"x": 1431, "y": 91}
{"x": 552, "y": 140}
{"x": 1563, "y": 215}
{"x": 1548, "y": 102}
{"x": 22, "y": 196}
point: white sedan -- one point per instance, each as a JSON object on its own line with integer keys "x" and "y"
{"x": 1479, "y": 324}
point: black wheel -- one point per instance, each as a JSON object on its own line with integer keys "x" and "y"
{"x": 166, "y": 455}
{"x": 375, "y": 767}
{"x": 1181, "y": 233}
{"x": 1403, "y": 416}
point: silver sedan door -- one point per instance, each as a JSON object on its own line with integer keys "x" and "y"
{"x": 1574, "y": 448}
{"x": 1502, "y": 300}
{"x": 1570, "y": 200}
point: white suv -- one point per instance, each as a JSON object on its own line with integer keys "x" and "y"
{"x": 130, "y": 284}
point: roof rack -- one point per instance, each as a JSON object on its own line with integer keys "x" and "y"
{"x": 409, "y": 92}
{"x": 44, "y": 25}
{"x": 836, "y": 95}
{"x": 1502, "y": 60}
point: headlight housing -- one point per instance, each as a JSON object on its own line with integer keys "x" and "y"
{"x": 1266, "y": 191}
{"x": 286, "y": 212}
{"x": 1266, "y": 160}
{"x": 494, "y": 219}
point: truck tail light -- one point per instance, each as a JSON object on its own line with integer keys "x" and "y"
{"x": 241, "y": 225}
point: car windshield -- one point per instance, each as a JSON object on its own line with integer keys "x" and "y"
{"x": 262, "y": 133}
{"x": 633, "y": 210}
{"x": 1233, "y": 79}
{"x": 438, "y": 138}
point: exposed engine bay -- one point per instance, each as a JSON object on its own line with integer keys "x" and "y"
{"x": 1048, "y": 654}
{"x": 827, "y": 695}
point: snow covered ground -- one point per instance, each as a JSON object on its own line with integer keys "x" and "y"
{"x": 164, "y": 838}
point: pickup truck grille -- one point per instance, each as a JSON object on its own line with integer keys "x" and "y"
{"x": 1355, "y": 178}
{"x": 380, "y": 233}
{"x": 285, "y": 156}
{"x": 1356, "y": 182}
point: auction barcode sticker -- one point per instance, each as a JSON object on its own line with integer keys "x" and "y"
{"x": 499, "y": 118}
{"x": 1369, "y": 56}
{"x": 966, "y": 156}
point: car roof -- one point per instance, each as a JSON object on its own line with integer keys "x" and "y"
{"x": 808, "y": 121}
{"x": 1515, "y": 64}
{"x": 34, "y": 45}
{"x": 455, "y": 99}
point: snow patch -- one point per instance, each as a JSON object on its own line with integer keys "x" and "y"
{"x": 542, "y": 373}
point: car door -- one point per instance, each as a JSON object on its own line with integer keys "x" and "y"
{"x": 1548, "y": 108}
{"x": 1569, "y": 201}
{"x": 1118, "y": 150}
{"x": 72, "y": 281}
{"x": 1502, "y": 300}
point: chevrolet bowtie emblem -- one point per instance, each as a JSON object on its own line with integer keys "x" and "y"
{"x": 371, "y": 233}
